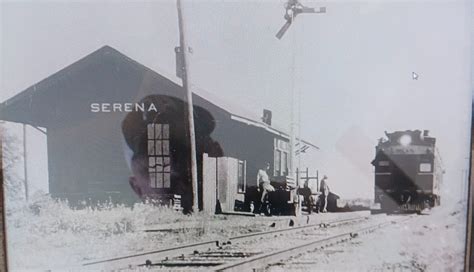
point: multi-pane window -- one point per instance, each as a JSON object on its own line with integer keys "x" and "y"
{"x": 277, "y": 162}
{"x": 425, "y": 167}
{"x": 383, "y": 166}
{"x": 281, "y": 162}
{"x": 159, "y": 162}
{"x": 384, "y": 163}
{"x": 241, "y": 179}
{"x": 284, "y": 168}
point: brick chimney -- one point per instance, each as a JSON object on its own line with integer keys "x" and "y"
{"x": 267, "y": 117}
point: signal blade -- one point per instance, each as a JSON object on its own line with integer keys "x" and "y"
{"x": 283, "y": 29}
{"x": 308, "y": 10}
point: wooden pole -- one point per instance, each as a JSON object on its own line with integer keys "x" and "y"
{"x": 3, "y": 246}
{"x": 307, "y": 177}
{"x": 317, "y": 180}
{"x": 25, "y": 163}
{"x": 185, "y": 79}
{"x": 297, "y": 175}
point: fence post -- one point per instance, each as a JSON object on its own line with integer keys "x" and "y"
{"x": 317, "y": 180}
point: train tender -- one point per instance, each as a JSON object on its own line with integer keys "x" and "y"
{"x": 408, "y": 172}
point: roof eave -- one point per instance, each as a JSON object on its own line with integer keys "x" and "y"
{"x": 268, "y": 128}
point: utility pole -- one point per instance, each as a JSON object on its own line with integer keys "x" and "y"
{"x": 184, "y": 51}
{"x": 3, "y": 248}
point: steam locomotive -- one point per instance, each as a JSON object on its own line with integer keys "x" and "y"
{"x": 408, "y": 172}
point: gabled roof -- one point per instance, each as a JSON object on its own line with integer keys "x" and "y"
{"x": 60, "y": 98}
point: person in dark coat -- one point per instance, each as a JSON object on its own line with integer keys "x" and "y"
{"x": 175, "y": 157}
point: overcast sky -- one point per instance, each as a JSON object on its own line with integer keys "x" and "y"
{"x": 353, "y": 65}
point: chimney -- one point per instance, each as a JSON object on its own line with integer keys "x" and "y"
{"x": 425, "y": 133}
{"x": 267, "y": 117}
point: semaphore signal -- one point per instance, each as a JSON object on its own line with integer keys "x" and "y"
{"x": 292, "y": 9}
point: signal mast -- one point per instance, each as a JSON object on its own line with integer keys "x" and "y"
{"x": 292, "y": 9}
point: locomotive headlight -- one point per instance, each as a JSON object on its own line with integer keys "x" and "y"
{"x": 405, "y": 140}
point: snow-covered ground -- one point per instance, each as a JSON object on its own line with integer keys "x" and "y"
{"x": 433, "y": 242}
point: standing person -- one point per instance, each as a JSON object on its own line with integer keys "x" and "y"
{"x": 264, "y": 182}
{"x": 307, "y": 196}
{"x": 324, "y": 189}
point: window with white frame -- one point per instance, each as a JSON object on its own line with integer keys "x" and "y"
{"x": 241, "y": 176}
{"x": 284, "y": 162}
{"x": 277, "y": 162}
{"x": 384, "y": 163}
{"x": 281, "y": 163}
{"x": 425, "y": 167}
{"x": 159, "y": 161}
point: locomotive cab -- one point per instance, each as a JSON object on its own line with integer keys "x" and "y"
{"x": 407, "y": 172}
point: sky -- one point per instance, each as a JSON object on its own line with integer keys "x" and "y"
{"x": 351, "y": 67}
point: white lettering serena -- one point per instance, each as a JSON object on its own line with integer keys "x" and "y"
{"x": 152, "y": 108}
{"x": 105, "y": 107}
{"x": 117, "y": 107}
{"x": 122, "y": 107}
{"x": 95, "y": 107}
{"x": 141, "y": 107}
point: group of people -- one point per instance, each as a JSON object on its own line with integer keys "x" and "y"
{"x": 263, "y": 180}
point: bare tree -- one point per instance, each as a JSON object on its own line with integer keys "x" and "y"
{"x": 10, "y": 155}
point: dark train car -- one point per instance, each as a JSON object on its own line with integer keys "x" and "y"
{"x": 408, "y": 172}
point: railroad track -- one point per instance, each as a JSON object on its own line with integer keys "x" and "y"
{"x": 213, "y": 253}
{"x": 262, "y": 261}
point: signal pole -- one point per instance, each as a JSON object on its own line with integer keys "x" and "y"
{"x": 184, "y": 51}
{"x": 292, "y": 9}
{"x": 294, "y": 176}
